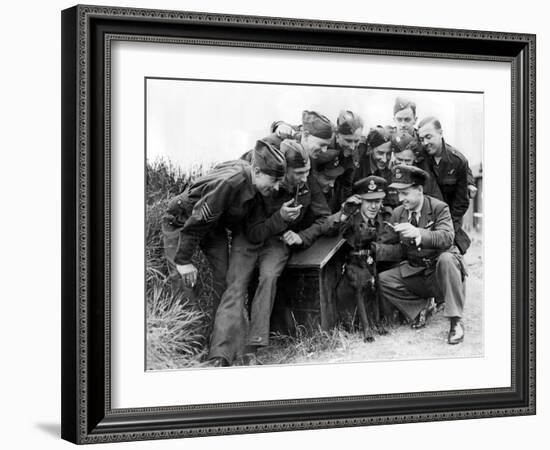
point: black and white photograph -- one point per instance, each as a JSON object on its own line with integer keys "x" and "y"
{"x": 311, "y": 224}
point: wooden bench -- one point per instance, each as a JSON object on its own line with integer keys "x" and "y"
{"x": 306, "y": 293}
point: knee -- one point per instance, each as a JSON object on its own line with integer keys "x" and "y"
{"x": 268, "y": 277}
{"x": 446, "y": 260}
{"x": 384, "y": 279}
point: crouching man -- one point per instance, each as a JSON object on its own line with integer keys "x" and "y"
{"x": 213, "y": 204}
{"x": 432, "y": 266}
{"x": 292, "y": 217}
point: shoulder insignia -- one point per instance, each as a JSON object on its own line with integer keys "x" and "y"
{"x": 206, "y": 213}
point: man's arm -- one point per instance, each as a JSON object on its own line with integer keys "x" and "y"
{"x": 204, "y": 217}
{"x": 388, "y": 245}
{"x": 317, "y": 214}
{"x": 346, "y": 183}
{"x": 260, "y": 226}
{"x": 441, "y": 234}
{"x": 461, "y": 199}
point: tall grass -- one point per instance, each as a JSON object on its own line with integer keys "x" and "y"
{"x": 176, "y": 326}
{"x": 175, "y": 330}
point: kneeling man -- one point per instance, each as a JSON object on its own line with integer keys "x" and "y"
{"x": 432, "y": 266}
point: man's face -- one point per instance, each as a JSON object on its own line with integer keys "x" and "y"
{"x": 371, "y": 208}
{"x": 266, "y": 184}
{"x": 405, "y": 121}
{"x": 314, "y": 145}
{"x": 405, "y": 157}
{"x": 431, "y": 139}
{"x": 381, "y": 155}
{"x": 325, "y": 182}
{"x": 411, "y": 197}
{"x": 349, "y": 142}
{"x": 297, "y": 176}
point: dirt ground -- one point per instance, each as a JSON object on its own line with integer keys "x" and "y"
{"x": 402, "y": 342}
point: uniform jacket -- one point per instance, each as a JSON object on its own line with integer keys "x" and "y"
{"x": 436, "y": 231}
{"x": 355, "y": 229}
{"x": 220, "y": 199}
{"x": 451, "y": 175}
{"x": 343, "y": 186}
{"x": 332, "y": 199}
{"x": 265, "y": 220}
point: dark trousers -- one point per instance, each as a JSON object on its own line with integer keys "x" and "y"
{"x": 445, "y": 283}
{"x": 215, "y": 247}
{"x": 231, "y": 329}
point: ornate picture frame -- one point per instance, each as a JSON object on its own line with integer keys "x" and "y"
{"x": 88, "y": 33}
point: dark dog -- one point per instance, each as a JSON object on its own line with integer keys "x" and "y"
{"x": 362, "y": 274}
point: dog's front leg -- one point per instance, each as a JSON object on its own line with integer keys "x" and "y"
{"x": 361, "y": 306}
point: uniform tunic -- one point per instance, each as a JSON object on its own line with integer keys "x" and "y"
{"x": 453, "y": 175}
{"x": 200, "y": 216}
{"x": 432, "y": 269}
{"x": 358, "y": 232}
{"x": 260, "y": 244}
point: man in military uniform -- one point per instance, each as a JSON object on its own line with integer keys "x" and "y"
{"x": 292, "y": 217}
{"x": 348, "y": 137}
{"x": 405, "y": 118}
{"x": 422, "y": 236}
{"x": 212, "y": 204}
{"x": 450, "y": 169}
{"x": 405, "y": 149}
{"x": 374, "y": 155}
{"x": 375, "y": 159}
{"x": 346, "y": 141}
{"x": 362, "y": 221}
{"x": 326, "y": 169}
{"x": 314, "y": 135}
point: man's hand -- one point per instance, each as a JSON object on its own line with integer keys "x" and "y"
{"x": 350, "y": 206}
{"x": 289, "y": 213}
{"x": 407, "y": 231}
{"x": 189, "y": 274}
{"x": 291, "y": 238}
{"x": 472, "y": 191}
{"x": 284, "y": 131}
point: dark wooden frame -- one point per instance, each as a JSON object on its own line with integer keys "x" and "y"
{"x": 87, "y": 32}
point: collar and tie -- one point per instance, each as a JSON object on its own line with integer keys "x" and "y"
{"x": 414, "y": 219}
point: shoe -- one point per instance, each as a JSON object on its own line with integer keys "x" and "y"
{"x": 456, "y": 333}
{"x": 421, "y": 319}
{"x": 424, "y": 314}
{"x": 218, "y": 361}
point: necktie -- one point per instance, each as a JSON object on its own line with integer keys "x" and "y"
{"x": 414, "y": 221}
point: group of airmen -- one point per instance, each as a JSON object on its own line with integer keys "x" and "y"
{"x": 300, "y": 182}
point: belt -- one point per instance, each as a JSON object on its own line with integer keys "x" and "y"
{"x": 423, "y": 262}
{"x": 363, "y": 252}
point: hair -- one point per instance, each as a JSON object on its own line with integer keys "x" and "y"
{"x": 430, "y": 120}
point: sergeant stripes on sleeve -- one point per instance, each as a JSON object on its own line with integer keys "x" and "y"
{"x": 206, "y": 213}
